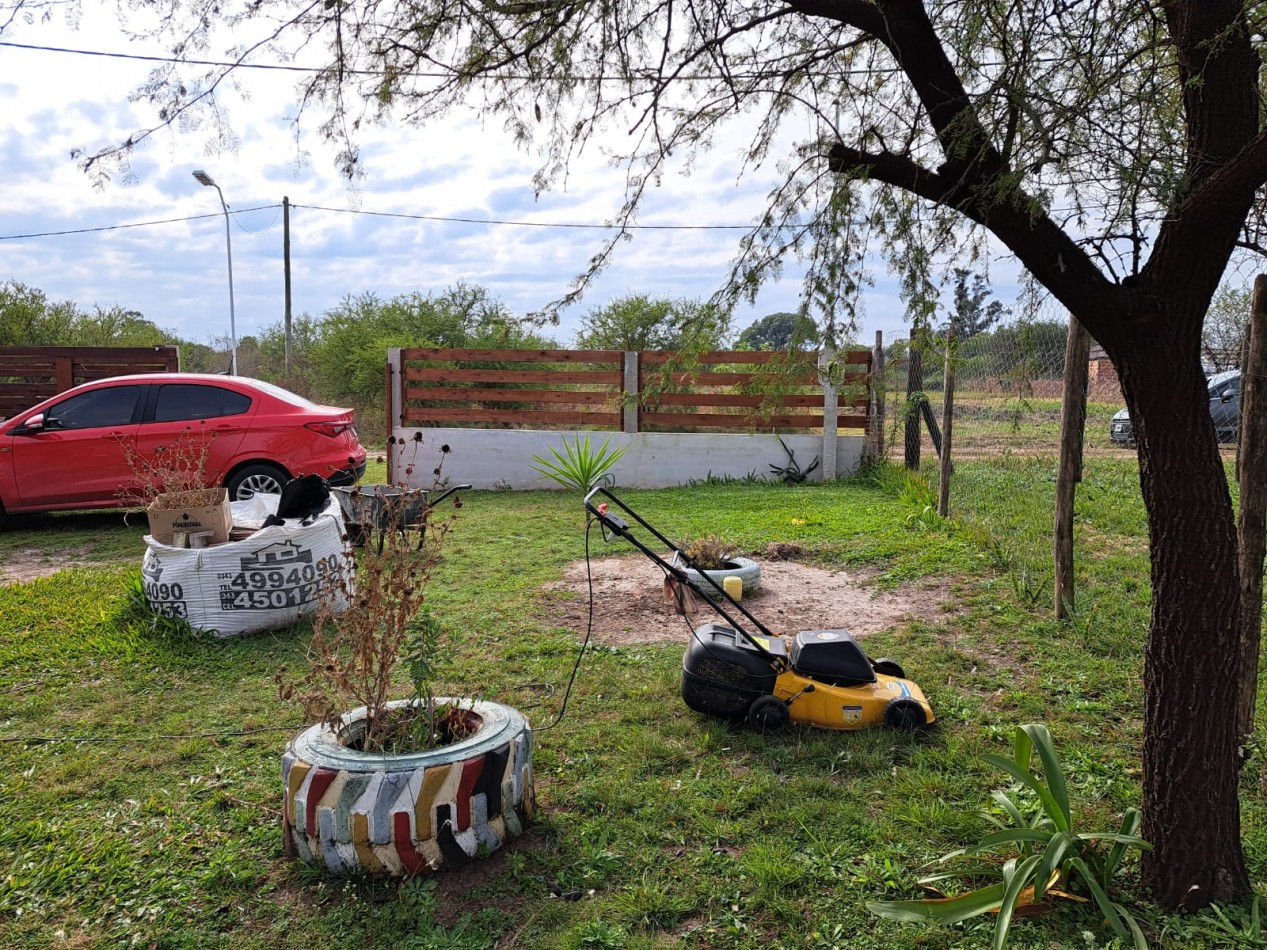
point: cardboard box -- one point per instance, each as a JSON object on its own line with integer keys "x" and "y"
{"x": 165, "y": 522}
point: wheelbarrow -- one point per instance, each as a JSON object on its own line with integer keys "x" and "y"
{"x": 369, "y": 508}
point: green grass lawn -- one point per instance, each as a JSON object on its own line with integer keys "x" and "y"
{"x": 140, "y": 770}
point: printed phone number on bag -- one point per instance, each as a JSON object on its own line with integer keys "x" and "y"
{"x": 279, "y": 588}
{"x": 166, "y": 599}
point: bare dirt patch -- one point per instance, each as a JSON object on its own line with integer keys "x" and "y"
{"x": 28, "y": 564}
{"x": 629, "y": 605}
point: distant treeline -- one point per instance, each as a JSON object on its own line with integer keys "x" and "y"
{"x": 338, "y": 357}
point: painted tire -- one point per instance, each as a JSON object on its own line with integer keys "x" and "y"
{"x": 358, "y": 812}
{"x": 746, "y": 569}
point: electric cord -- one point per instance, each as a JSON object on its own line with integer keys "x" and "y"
{"x": 589, "y": 632}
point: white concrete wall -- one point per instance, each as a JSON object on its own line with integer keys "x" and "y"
{"x": 490, "y": 458}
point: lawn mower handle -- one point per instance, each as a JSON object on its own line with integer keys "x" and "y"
{"x": 620, "y": 527}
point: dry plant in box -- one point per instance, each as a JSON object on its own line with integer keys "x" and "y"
{"x": 174, "y": 477}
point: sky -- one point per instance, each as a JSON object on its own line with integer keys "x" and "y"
{"x": 176, "y": 273}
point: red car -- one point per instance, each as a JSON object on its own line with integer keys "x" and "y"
{"x": 71, "y": 451}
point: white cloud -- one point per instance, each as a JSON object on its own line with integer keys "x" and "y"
{"x": 176, "y": 273}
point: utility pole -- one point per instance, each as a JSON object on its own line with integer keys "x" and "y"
{"x": 286, "y": 270}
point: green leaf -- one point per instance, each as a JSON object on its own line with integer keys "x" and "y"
{"x": 1125, "y": 838}
{"x": 1055, "y": 853}
{"x": 1009, "y": 806}
{"x": 1052, "y": 771}
{"x": 1050, "y": 806}
{"x": 945, "y": 910}
{"x": 1013, "y": 835}
{"x": 580, "y": 466}
{"x": 1107, "y": 907}
{"x": 1017, "y": 880}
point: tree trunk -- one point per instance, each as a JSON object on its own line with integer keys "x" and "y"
{"x": 1191, "y": 814}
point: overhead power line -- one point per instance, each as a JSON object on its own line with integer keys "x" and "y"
{"x": 122, "y": 227}
{"x": 390, "y": 214}
{"x": 532, "y": 224}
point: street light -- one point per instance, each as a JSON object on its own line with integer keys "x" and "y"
{"x": 205, "y": 179}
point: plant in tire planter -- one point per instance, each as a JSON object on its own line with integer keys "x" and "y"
{"x": 397, "y": 786}
{"x": 716, "y": 557}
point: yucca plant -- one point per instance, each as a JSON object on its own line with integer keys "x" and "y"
{"x": 1056, "y": 859}
{"x": 579, "y": 466}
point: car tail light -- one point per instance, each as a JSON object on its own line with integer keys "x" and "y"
{"x": 331, "y": 429}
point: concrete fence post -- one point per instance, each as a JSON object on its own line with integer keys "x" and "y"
{"x": 631, "y": 396}
{"x": 831, "y": 413}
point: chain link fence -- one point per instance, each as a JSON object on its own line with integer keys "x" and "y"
{"x": 1007, "y": 387}
{"x": 1003, "y": 433}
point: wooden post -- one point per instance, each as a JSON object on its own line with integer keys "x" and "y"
{"x": 395, "y": 381}
{"x": 914, "y": 384}
{"x": 878, "y": 395}
{"x": 1073, "y": 421}
{"x": 1252, "y": 517}
{"x": 64, "y": 372}
{"x": 947, "y": 425}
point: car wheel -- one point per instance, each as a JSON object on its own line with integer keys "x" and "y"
{"x": 259, "y": 478}
{"x": 887, "y": 667}
{"x": 905, "y": 714}
{"x": 769, "y": 715}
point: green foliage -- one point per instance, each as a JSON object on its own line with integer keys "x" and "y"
{"x": 779, "y": 331}
{"x": 29, "y": 318}
{"x": 580, "y": 467}
{"x": 1223, "y": 332}
{"x": 353, "y": 338}
{"x": 973, "y": 310}
{"x": 1040, "y": 822}
{"x": 642, "y": 322}
{"x": 709, "y": 553}
{"x": 422, "y": 655}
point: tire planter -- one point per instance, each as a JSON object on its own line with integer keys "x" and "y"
{"x": 746, "y": 569}
{"x": 361, "y": 812}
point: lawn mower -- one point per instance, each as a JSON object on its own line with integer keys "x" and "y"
{"x": 826, "y": 680}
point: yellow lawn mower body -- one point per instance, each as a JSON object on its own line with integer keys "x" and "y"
{"x": 826, "y": 680}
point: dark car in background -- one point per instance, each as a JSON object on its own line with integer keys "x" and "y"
{"x": 1225, "y": 410}
{"x": 71, "y": 451}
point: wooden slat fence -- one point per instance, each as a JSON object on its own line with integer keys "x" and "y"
{"x": 512, "y": 388}
{"x": 734, "y": 390}
{"x": 31, "y": 374}
{"x": 597, "y": 389}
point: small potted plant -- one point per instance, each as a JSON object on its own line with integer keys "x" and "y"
{"x": 716, "y": 557}
{"x": 396, "y": 786}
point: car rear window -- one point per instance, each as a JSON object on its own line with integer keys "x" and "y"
{"x": 284, "y": 394}
{"x": 179, "y": 401}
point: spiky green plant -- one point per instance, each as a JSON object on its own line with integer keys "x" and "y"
{"x": 580, "y": 466}
{"x": 1054, "y": 856}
